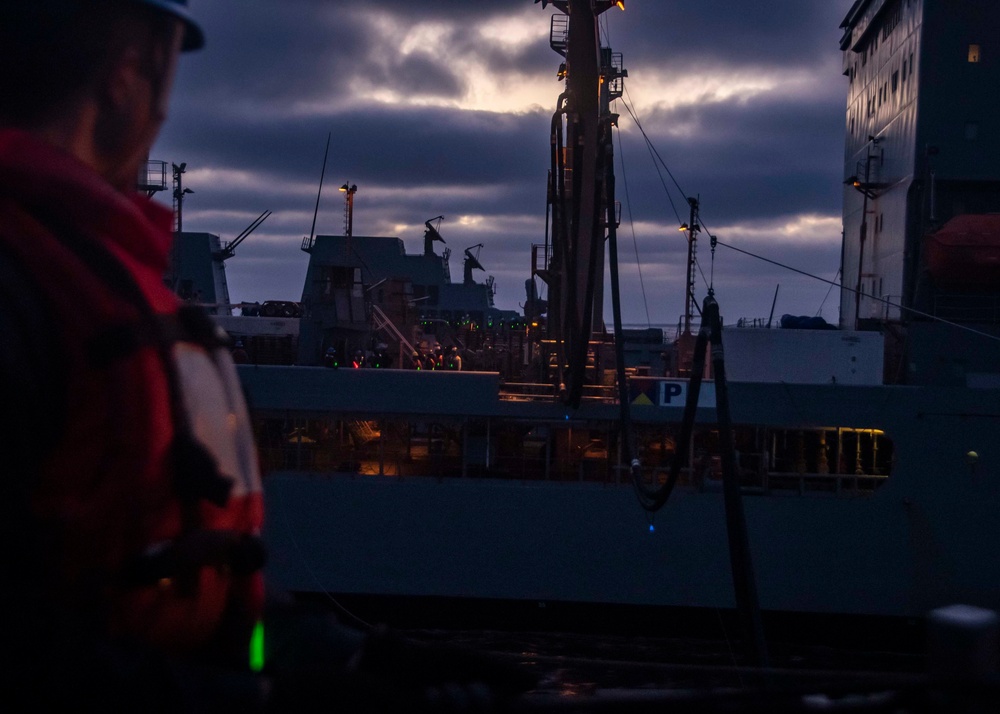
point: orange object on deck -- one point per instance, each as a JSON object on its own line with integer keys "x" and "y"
{"x": 965, "y": 252}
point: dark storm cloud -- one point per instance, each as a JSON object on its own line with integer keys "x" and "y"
{"x": 768, "y": 156}
{"x": 397, "y": 145}
{"x": 262, "y": 52}
{"x": 791, "y": 164}
{"x": 419, "y": 74}
{"x": 308, "y": 49}
{"x": 681, "y": 34}
{"x": 255, "y": 108}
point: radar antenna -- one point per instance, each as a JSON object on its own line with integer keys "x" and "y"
{"x": 472, "y": 263}
{"x": 432, "y": 234}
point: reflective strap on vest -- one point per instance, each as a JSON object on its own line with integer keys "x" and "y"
{"x": 189, "y": 324}
{"x": 181, "y": 559}
{"x": 196, "y": 474}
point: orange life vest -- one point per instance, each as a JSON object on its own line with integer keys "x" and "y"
{"x": 146, "y": 506}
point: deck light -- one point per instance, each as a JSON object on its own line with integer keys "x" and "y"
{"x": 349, "y": 192}
{"x": 621, "y": 5}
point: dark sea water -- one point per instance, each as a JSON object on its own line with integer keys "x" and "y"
{"x": 582, "y": 663}
{"x": 604, "y": 659}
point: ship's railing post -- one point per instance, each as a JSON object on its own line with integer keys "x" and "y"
{"x": 381, "y": 448}
{"x": 465, "y": 449}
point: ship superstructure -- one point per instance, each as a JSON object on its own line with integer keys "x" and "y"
{"x": 860, "y": 497}
{"x": 923, "y": 150}
{"x": 581, "y": 192}
{"x": 351, "y": 277}
{"x": 198, "y": 271}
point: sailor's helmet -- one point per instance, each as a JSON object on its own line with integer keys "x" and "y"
{"x": 194, "y": 38}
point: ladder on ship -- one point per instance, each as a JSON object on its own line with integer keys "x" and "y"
{"x": 381, "y": 322}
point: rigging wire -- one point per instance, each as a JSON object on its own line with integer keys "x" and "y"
{"x": 346, "y": 615}
{"x": 832, "y": 283}
{"x": 652, "y": 153}
{"x": 884, "y": 301}
{"x": 827, "y": 296}
{"x": 701, "y": 270}
{"x": 604, "y": 25}
{"x": 652, "y": 148}
{"x": 631, "y": 223}
{"x": 657, "y": 162}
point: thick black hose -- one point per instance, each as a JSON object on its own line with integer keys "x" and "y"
{"x": 741, "y": 562}
{"x": 654, "y": 500}
{"x": 625, "y": 412}
{"x": 559, "y": 234}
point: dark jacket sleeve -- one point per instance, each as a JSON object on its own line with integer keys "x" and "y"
{"x": 32, "y": 376}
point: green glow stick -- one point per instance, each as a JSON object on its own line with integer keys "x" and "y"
{"x": 257, "y": 647}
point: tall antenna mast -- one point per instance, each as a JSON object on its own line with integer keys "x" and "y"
{"x": 179, "y": 193}
{"x": 326, "y": 154}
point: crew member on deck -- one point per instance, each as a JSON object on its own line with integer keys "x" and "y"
{"x": 131, "y": 521}
{"x": 137, "y": 527}
{"x": 330, "y": 359}
{"x": 240, "y": 354}
{"x": 454, "y": 359}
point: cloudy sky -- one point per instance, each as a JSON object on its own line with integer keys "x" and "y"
{"x": 443, "y": 107}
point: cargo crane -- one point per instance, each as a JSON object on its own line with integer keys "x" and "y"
{"x": 230, "y": 249}
{"x": 580, "y": 191}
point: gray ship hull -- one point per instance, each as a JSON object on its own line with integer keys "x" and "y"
{"x": 923, "y": 538}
